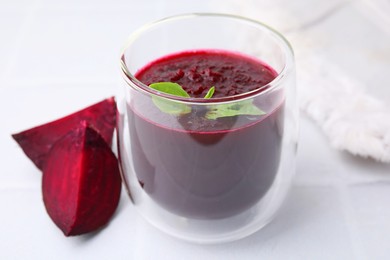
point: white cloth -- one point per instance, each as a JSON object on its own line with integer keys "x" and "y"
{"x": 352, "y": 120}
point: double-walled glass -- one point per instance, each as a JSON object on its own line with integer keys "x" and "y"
{"x": 218, "y": 183}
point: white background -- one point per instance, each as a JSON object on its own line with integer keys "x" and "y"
{"x": 59, "y": 56}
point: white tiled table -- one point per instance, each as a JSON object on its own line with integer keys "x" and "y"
{"x": 59, "y": 56}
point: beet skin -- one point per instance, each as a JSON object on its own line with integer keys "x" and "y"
{"x": 36, "y": 142}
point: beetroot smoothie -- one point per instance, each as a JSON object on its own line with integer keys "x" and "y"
{"x": 206, "y": 168}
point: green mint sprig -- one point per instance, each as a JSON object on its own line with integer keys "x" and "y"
{"x": 210, "y": 93}
{"x": 170, "y": 88}
{"x": 167, "y": 106}
{"x": 215, "y": 111}
{"x": 238, "y": 108}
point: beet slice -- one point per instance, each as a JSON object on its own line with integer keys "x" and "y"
{"x": 36, "y": 142}
{"x": 81, "y": 182}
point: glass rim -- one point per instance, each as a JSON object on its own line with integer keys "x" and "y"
{"x": 141, "y": 87}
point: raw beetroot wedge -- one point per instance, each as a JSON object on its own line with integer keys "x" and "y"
{"x": 36, "y": 142}
{"x": 81, "y": 182}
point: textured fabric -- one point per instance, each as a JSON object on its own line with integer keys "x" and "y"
{"x": 351, "y": 118}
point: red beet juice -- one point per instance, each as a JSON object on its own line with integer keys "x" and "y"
{"x": 206, "y": 168}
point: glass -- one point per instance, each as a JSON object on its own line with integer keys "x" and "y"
{"x": 215, "y": 184}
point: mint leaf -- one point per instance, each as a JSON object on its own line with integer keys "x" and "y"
{"x": 168, "y": 106}
{"x": 215, "y": 111}
{"x": 241, "y": 108}
{"x": 170, "y": 88}
{"x": 171, "y": 107}
{"x": 210, "y": 93}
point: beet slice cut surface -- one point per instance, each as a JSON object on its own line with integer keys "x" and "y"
{"x": 81, "y": 182}
{"x": 36, "y": 142}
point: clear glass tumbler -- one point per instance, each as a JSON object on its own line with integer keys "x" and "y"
{"x": 215, "y": 184}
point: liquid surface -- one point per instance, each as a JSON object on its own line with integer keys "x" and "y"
{"x": 198, "y": 71}
{"x": 206, "y": 169}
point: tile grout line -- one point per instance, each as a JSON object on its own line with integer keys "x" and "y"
{"x": 6, "y": 186}
{"x": 65, "y": 80}
{"x": 330, "y": 183}
{"x": 353, "y": 234}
